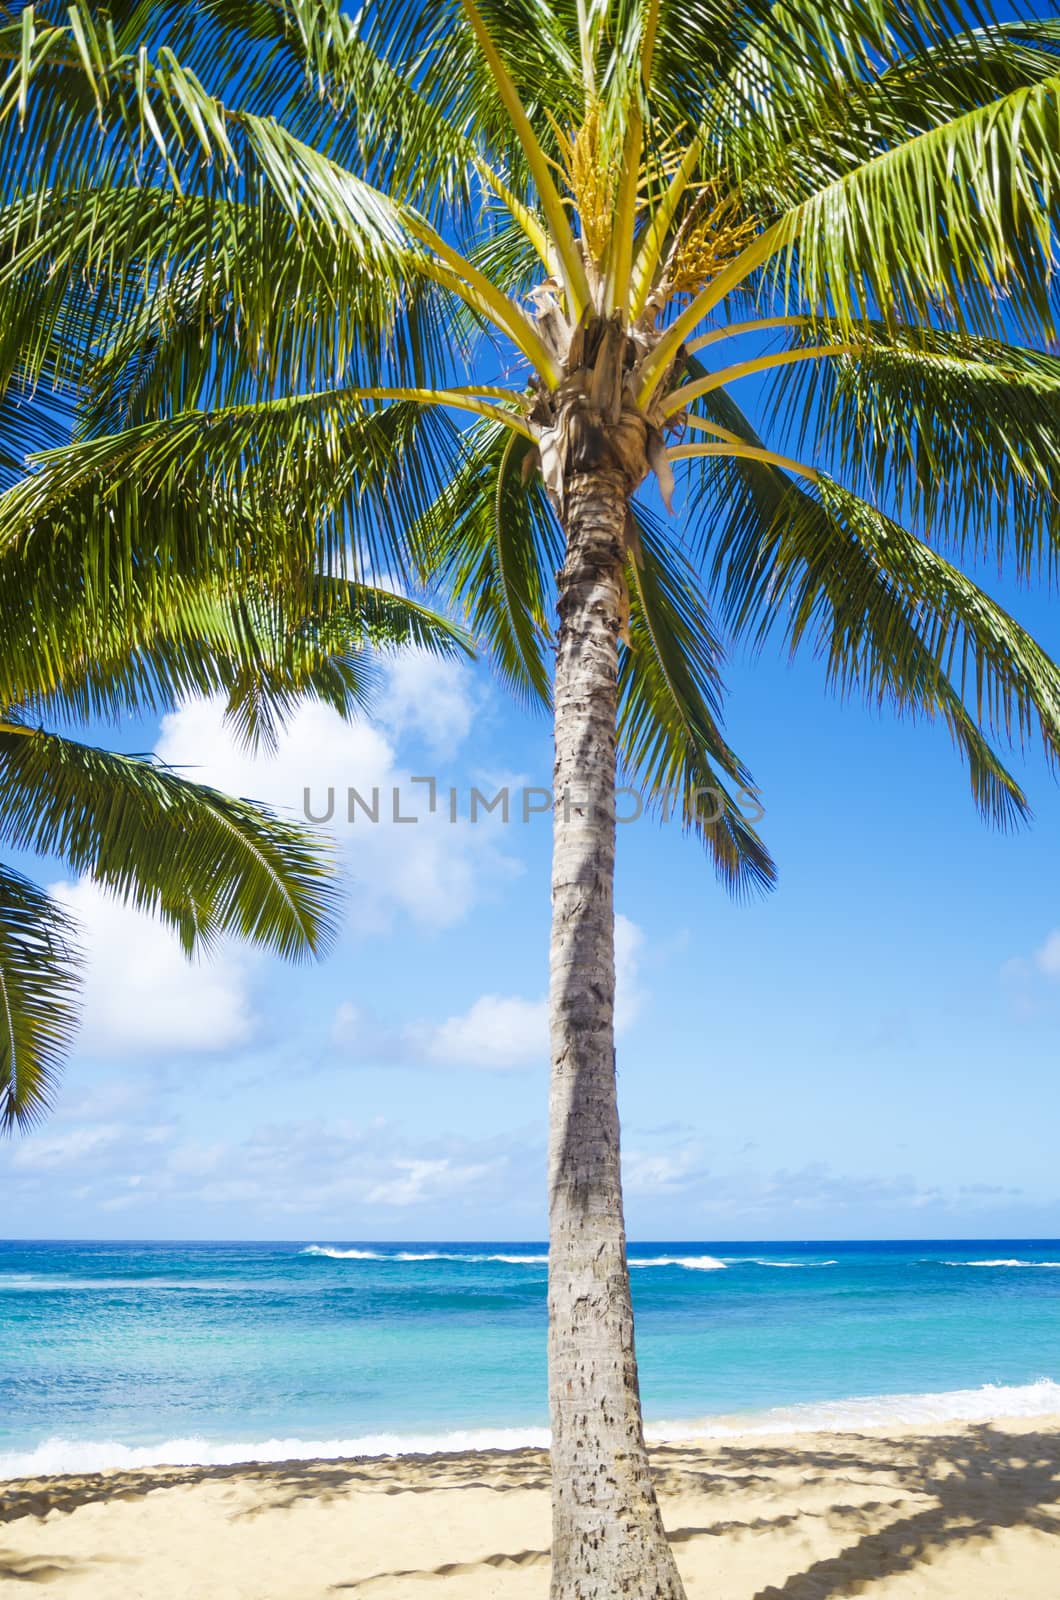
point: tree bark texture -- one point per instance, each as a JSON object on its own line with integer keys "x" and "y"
{"x": 608, "y": 1538}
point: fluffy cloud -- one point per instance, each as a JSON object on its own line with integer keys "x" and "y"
{"x": 1026, "y": 978}
{"x": 420, "y": 1182}
{"x": 431, "y": 870}
{"x": 142, "y": 996}
{"x": 628, "y": 996}
{"x": 44, "y": 1152}
{"x": 346, "y": 1025}
{"x": 1047, "y": 956}
{"x": 685, "y": 1190}
{"x": 343, "y": 1178}
{"x": 497, "y": 1032}
{"x": 660, "y": 1172}
{"x": 430, "y": 698}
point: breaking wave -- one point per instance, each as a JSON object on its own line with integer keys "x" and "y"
{"x": 990, "y": 1403}
{"x": 704, "y": 1263}
{"x": 417, "y": 1255}
{"x": 1008, "y": 1263}
{"x": 691, "y": 1263}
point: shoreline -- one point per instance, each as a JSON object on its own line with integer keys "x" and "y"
{"x": 946, "y": 1509}
{"x": 988, "y": 1404}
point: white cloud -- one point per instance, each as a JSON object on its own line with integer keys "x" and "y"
{"x": 1047, "y": 956}
{"x": 661, "y": 1171}
{"x": 63, "y": 1149}
{"x": 628, "y": 997}
{"x": 327, "y": 1175}
{"x": 334, "y": 1178}
{"x": 142, "y": 995}
{"x": 499, "y": 1032}
{"x": 419, "y": 1182}
{"x": 429, "y": 697}
{"x": 431, "y": 870}
{"x": 346, "y": 1023}
{"x": 1026, "y": 979}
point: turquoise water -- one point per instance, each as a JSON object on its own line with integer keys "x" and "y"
{"x": 116, "y": 1353}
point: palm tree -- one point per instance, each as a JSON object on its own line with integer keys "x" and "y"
{"x": 434, "y": 288}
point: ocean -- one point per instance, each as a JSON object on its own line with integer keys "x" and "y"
{"x": 122, "y": 1354}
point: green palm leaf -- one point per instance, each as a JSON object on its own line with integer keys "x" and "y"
{"x": 894, "y": 621}
{"x": 492, "y": 539}
{"x": 38, "y": 999}
{"x": 274, "y": 489}
{"x": 963, "y": 433}
{"x": 670, "y": 693}
{"x": 205, "y": 863}
{"x": 948, "y": 217}
{"x": 252, "y": 649}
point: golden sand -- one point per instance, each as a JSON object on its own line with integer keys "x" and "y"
{"x": 961, "y": 1512}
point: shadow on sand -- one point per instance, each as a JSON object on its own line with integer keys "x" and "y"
{"x": 892, "y": 1504}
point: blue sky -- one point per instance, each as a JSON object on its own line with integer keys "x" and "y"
{"x": 868, "y": 1052}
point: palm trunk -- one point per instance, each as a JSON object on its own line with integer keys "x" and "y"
{"x": 608, "y": 1538}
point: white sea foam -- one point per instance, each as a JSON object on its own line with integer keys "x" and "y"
{"x": 990, "y": 1403}
{"x": 765, "y": 1261}
{"x": 987, "y": 1404}
{"x": 1009, "y": 1263}
{"x": 690, "y": 1263}
{"x": 342, "y": 1255}
{"x": 36, "y": 1283}
{"x": 58, "y": 1455}
{"x": 418, "y": 1255}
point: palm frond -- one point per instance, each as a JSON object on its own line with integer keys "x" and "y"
{"x": 38, "y": 999}
{"x": 960, "y": 216}
{"x": 960, "y": 434}
{"x": 205, "y": 863}
{"x": 275, "y": 492}
{"x": 330, "y": 654}
{"x": 849, "y": 73}
{"x": 670, "y": 694}
{"x": 894, "y": 621}
{"x": 492, "y": 539}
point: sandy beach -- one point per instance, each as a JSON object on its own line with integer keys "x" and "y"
{"x": 953, "y": 1511}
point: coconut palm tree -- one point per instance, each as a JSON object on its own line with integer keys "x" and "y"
{"x": 466, "y": 288}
